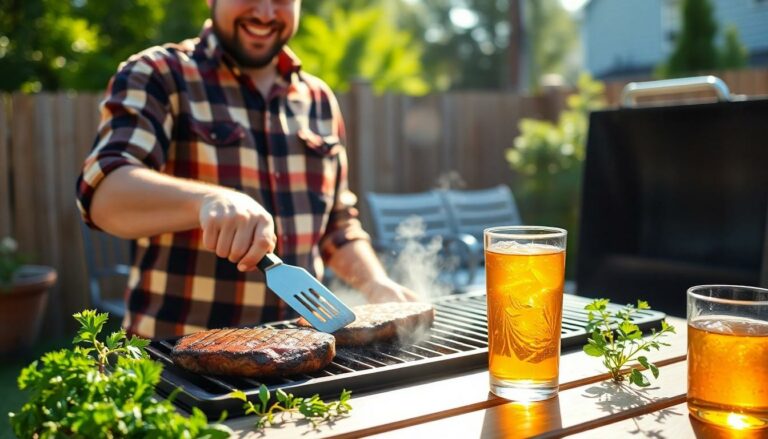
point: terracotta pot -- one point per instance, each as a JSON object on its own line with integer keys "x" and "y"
{"x": 23, "y": 306}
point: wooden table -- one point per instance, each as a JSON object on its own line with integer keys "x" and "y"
{"x": 460, "y": 406}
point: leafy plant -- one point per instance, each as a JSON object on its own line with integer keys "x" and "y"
{"x": 618, "y": 340}
{"x": 360, "y": 43}
{"x": 313, "y": 408}
{"x": 547, "y": 159}
{"x": 10, "y": 261}
{"x": 73, "y": 395}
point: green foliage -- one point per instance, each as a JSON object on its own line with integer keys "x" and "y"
{"x": 10, "y": 262}
{"x": 547, "y": 158}
{"x": 695, "y": 49}
{"x": 618, "y": 341}
{"x": 72, "y": 395}
{"x": 313, "y": 408}
{"x": 734, "y": 54}
{"x": 360, "y": 43}
{"x": 52, "y": 45}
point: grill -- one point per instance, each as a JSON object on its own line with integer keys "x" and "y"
{"x": 456, "y": 342}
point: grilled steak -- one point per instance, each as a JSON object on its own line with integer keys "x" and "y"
{"x": 382, "y": 321}
{"x": 257, "y": 352}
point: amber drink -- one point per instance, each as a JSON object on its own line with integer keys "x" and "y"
{"x": 728, "y": 355}
{"x": 525, "y": 268}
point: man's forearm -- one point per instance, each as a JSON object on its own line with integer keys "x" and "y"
{"x": 133, "y": 202}
{"x": 356, "y": 263}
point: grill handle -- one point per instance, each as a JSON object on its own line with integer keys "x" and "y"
{"x": 633, "y": 90}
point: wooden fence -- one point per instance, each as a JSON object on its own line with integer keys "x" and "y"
{"x": 396, "y": 144}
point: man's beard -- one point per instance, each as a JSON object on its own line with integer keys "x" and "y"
{"x": 236, "y": 48}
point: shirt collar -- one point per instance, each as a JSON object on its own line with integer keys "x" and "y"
{"x": 211, "y": 50}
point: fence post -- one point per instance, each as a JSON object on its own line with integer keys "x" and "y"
{"x": 5, "y": 171}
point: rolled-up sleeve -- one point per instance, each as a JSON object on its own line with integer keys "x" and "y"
{"x": 135, "y": 128}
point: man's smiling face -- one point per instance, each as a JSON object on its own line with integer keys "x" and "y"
{"x": 254, "y": 31}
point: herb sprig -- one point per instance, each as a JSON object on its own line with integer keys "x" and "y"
{"x": 313, "y": 408}
{"x": 615, "y": 338}
{"x": 72, "y": 395}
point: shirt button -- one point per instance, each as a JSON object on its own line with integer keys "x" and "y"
{"x": 213, "y": 136}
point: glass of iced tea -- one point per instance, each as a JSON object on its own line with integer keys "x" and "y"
{"x": 524, "y": 270}
{"x": 728, "y": 355}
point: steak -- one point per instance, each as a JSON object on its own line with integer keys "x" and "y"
{"x": 256, "y": 352}
{"x": 383, "y": 322}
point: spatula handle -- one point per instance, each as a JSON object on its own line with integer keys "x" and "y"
{"x": 268, "y": 261}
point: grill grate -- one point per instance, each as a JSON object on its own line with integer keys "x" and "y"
{"x": 457, "y": 341}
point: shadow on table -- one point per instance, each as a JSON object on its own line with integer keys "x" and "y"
{"x": 517, "y": 419}
{"x": 613, "y": 398}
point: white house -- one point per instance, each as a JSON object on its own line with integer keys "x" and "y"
{"x": 630, "y": 37}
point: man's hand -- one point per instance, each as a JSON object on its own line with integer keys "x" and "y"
{"x": 236, "y": 227}
{"x": 386, "y": 290}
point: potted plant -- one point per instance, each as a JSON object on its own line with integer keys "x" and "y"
{"x": 23, "y": 298}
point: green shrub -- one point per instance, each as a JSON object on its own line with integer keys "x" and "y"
{"x": 102, "y": 389}
{"x": 548, "y": 159}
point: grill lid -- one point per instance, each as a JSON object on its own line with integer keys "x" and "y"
{"x": 456, "y": 342}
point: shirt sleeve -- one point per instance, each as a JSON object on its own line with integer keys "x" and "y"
{"x": 134, "y": 129}
{"x": 343, "y": 224}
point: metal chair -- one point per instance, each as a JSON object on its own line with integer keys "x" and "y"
{"x": 107, "y": 259}
{"x": 391, "y": 214}
{"x": 472, "y": 211}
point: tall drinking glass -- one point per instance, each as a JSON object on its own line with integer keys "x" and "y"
{"x": 728, "y": 355}
{"x": 525, "y": 269}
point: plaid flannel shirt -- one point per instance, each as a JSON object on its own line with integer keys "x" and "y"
{"x": 187, "y": 110}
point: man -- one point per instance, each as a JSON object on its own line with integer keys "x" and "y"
{"x": 212, "y": 153}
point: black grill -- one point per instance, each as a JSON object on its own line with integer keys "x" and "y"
{"x": 456, "y": 342}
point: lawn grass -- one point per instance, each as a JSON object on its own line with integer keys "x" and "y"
{"x": 11, "y": 398}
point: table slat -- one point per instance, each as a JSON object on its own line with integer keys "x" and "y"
{"x": 577, "y": 409}
{"x": 451, "y": 397}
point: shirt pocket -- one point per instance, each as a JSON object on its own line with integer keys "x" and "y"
{"x": 213, "y": 152}
{"x": 218, "y": 133}
{"x": 322, "y": 165}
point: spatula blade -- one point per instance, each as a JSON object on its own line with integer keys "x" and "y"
{"x": 308, "y": 297}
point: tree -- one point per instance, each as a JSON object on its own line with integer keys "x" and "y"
{"x": 695, "y": 49}
{"x": 38, "y": 40}
{"x": 52, "y": 45}
{"x": 734, "y": 54}
{"x": 342, "y": 44}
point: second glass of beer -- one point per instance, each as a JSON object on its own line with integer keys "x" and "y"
{"x": 525, "y": 271}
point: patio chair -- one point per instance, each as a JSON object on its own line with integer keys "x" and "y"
{"x": 107, "y": 261}
{"x": 472, "y": 211}
{"x": 389, "y": 212}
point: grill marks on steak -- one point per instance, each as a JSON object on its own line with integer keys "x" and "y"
{"x": 256, "y": 352}
{"x": 382, "y": 322}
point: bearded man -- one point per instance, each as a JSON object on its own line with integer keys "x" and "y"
{"x": 213, "y": 152}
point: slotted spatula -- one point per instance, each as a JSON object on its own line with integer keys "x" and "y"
{"x": 305, "y": 294}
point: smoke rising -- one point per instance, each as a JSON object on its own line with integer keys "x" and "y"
{"x": 417, "y": 264}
